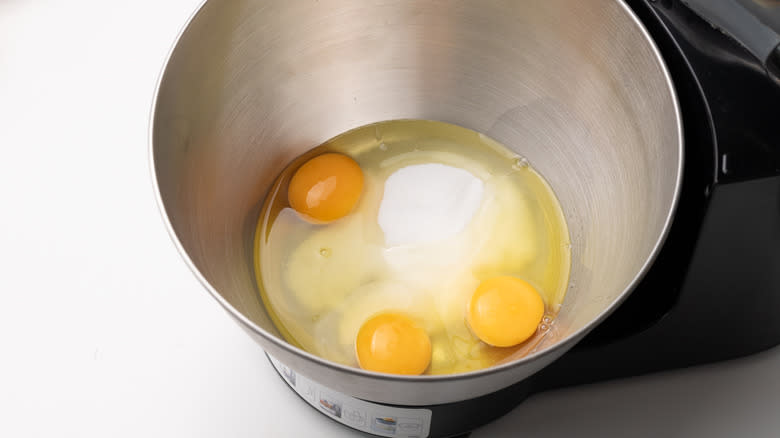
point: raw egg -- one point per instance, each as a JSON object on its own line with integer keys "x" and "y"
{"x": 505, "y": 311}
{"x": 326, "y": 188}
{"x": 369, "y": 254}
{"x": 392, "y": 343}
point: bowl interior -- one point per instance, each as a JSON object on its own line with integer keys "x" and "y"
{"x": 573, "y": 86}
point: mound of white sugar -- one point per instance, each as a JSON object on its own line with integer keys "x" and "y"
{"x": 427, "y": 203}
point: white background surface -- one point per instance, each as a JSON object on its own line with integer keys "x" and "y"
{"x": 105, "y": 333}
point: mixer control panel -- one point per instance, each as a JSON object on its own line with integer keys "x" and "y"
{"x": 373, "y": 418}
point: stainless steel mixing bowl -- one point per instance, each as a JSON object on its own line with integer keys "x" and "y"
{"x": 576, "y": 87}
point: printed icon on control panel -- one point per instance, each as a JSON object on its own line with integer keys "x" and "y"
{"x": 288, "y": 373}
{"x": 331, "y": 406}
{"x": 310, "y": 393}
{"x": 355, "y": 417}
{"x": 384, "y": 424}
{"x": 409, "y": 426}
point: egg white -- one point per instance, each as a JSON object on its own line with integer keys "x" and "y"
{"x": 326, "y": 296}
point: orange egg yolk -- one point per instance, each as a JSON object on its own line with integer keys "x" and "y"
{"x": 394, "y": 344}
{"x": 326, "y": 187}
{"x": 504, "y": 311}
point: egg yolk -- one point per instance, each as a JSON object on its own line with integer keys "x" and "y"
{"x": 326, "y": 187}
{"x": 504, "y": 311}
{"x": 394, "y": 344}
